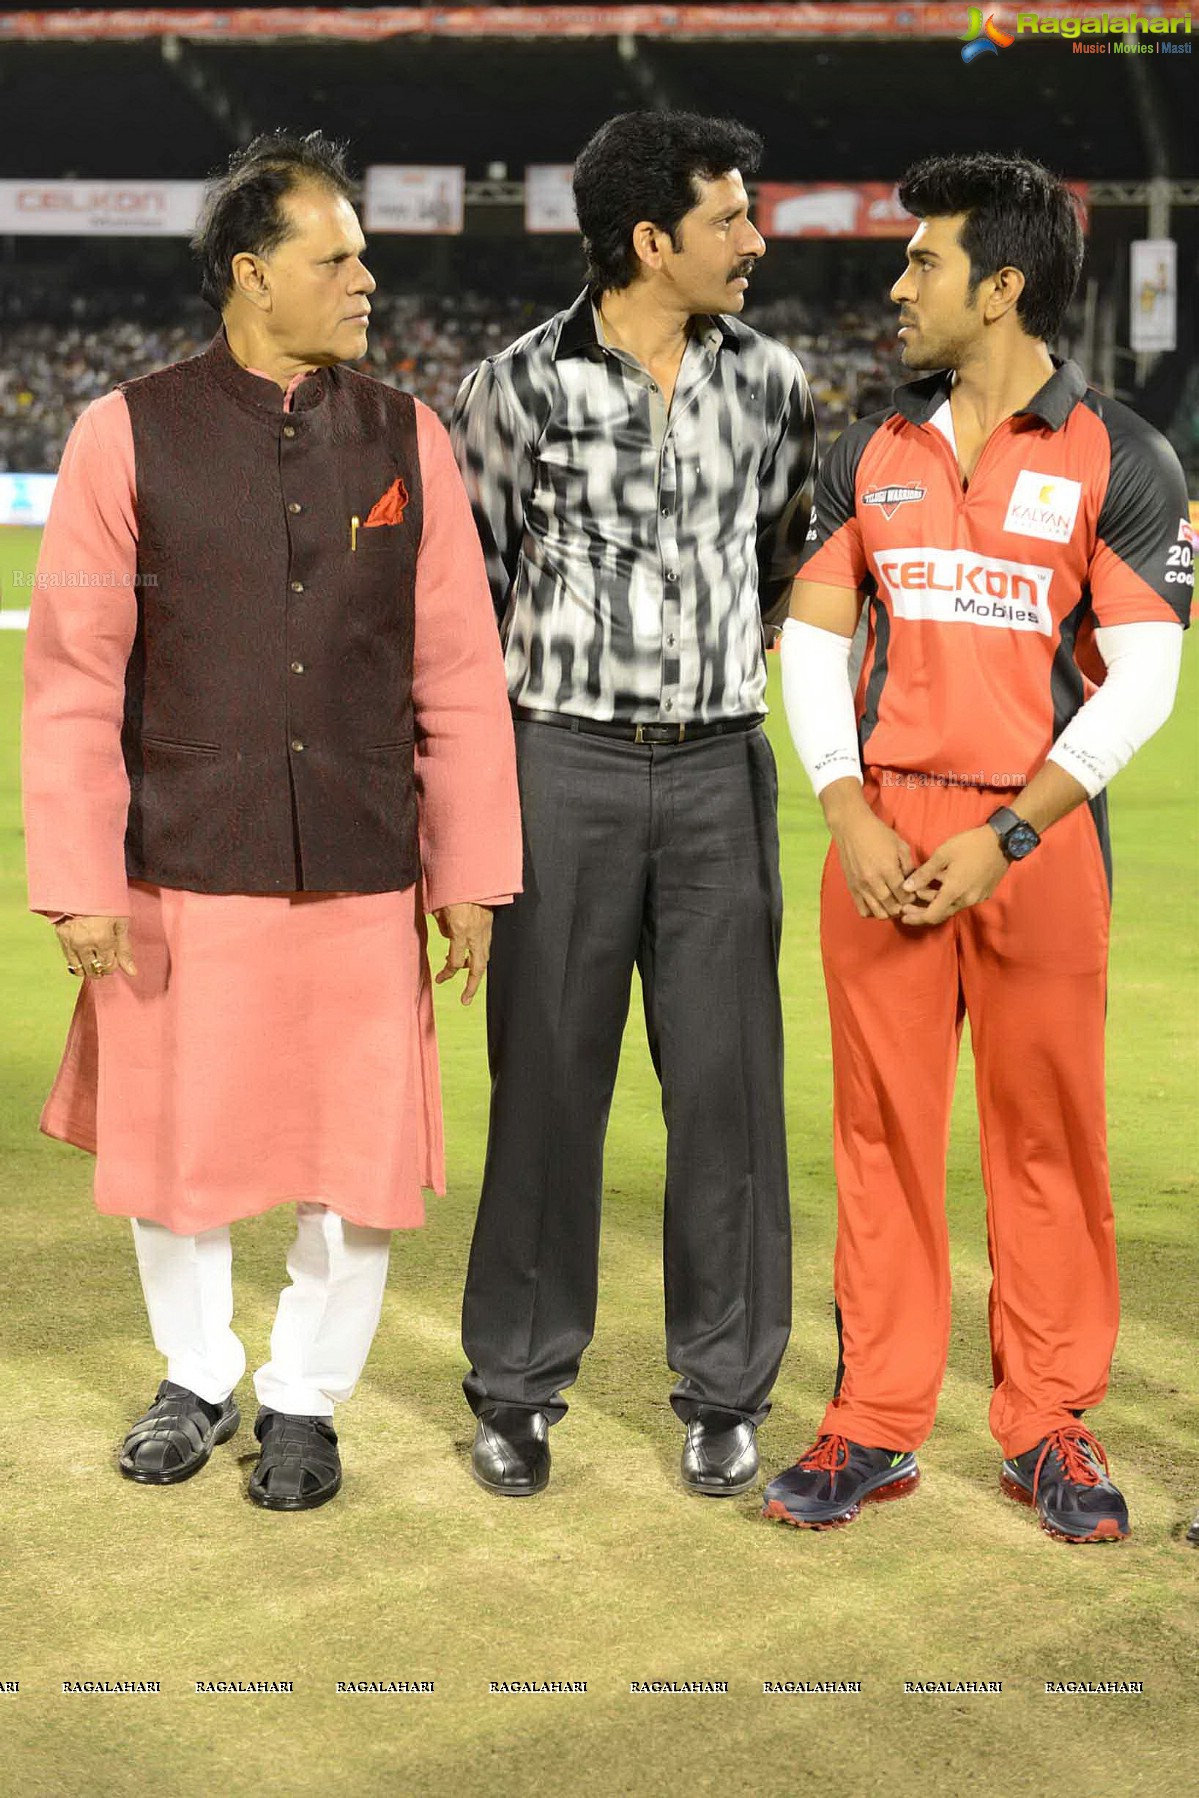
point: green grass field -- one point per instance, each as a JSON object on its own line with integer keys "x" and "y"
{"x": 614, "y": 1575}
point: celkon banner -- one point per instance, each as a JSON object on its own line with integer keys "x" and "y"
{"x": 99, "y": 208}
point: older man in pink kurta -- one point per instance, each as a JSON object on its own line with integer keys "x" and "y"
{"x": 218, "y": 757}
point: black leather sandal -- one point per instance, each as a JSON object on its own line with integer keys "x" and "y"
{"x": 299, "y": 1467}
{"x": 175, "y": 1437}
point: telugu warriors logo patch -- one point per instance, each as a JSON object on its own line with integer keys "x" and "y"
{"x": 891, "y": 498}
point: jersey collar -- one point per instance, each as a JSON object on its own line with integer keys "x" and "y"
{"x": 1052, "y": 404}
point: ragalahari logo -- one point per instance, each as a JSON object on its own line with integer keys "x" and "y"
{"x": 984, "y": 40}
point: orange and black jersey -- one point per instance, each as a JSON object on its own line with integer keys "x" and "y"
{"x": 983, "y": 601}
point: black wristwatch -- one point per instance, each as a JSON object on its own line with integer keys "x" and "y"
{"x": 1017, "y": 838}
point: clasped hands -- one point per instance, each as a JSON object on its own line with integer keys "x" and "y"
{"x": 884, "y": 881}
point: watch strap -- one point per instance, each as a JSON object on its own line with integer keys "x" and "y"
{"x": 1004, "y": 821}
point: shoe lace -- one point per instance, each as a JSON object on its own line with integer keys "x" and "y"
{"x": 828, "y": 1454}
{"x": 1071, "y": 1446}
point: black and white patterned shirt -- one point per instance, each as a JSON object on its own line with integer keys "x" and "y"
{"x": 633, "y": 551}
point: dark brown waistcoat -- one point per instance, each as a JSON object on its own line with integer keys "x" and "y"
{"x": 268, "y": 719}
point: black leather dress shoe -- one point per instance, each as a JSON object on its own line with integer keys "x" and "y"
{"x": 511, "y": 1453}
{"x": 175, "y": 1437}
{"x": 299, "y": 1467}
{"x": 720, "y": 1455}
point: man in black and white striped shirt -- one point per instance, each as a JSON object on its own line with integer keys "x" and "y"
{"x": 640, "y": 468}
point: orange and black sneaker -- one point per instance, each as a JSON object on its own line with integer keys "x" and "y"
{"x": 1065, "y": 1479}
{"x": 828, "y": 1486}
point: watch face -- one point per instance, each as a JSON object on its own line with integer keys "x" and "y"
{"x": 1020, "y": 841}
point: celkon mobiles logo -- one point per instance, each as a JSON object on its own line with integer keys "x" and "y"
{"x": 952, "y": 586}
{"x": 984, "y": 40}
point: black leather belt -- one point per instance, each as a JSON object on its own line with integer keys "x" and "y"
{"x": 635, "y": 733}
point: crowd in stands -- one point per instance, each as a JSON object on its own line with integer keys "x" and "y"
{"x": 850, "y": 359}
{"x": 49, "y": 372}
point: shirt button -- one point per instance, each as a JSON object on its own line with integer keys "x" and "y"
{"x": 671, "y": 575}
{"x": 670, "y": 642}
{"x": 297, "y": 586}
{"x": 297, "y": 667}
{"x": 296, "y": 743}
{"x": 666, "y": 511}
{"x": 294, "y": 506}
{"x": 289, "y": 430}
{"x": 670, "y": 705}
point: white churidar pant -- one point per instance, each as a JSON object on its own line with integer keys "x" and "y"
{"x": 324, "y": 1325}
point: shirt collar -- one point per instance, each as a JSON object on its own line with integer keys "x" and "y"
{"x": 579, "y": 331}
{"x": 1052, "y": 403}
{"x": 259, "y": 391}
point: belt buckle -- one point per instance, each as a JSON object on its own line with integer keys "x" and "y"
{"x": 640, "y": 730}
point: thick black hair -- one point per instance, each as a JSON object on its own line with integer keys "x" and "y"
{"x": 242, "y": 208}
{"x": 1018, "y": 215}
{"x": 642, "y": 165}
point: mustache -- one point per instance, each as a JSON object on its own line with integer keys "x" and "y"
{"x": 743, "y": 269}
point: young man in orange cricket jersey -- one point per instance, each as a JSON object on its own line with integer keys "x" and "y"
{"x": 1013, "y": 533}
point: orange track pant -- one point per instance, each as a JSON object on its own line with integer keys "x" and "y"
{"x": 1029, "y": 968}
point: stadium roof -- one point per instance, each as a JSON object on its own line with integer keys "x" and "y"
{"x": 828, "y": 111}
{"x": 742, "y": 19}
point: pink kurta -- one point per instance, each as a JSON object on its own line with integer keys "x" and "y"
{"x": 270, "y": 1048}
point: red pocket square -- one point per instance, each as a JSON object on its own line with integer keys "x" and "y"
{"x": 390, "y": 508}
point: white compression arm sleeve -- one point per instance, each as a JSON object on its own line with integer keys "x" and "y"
{"x": 1135, "y": 700}
{"x": 818, "y": 702}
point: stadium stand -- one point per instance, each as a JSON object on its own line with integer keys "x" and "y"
{"x": 48, "y": 374}
{"x": 425, "y": 343}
